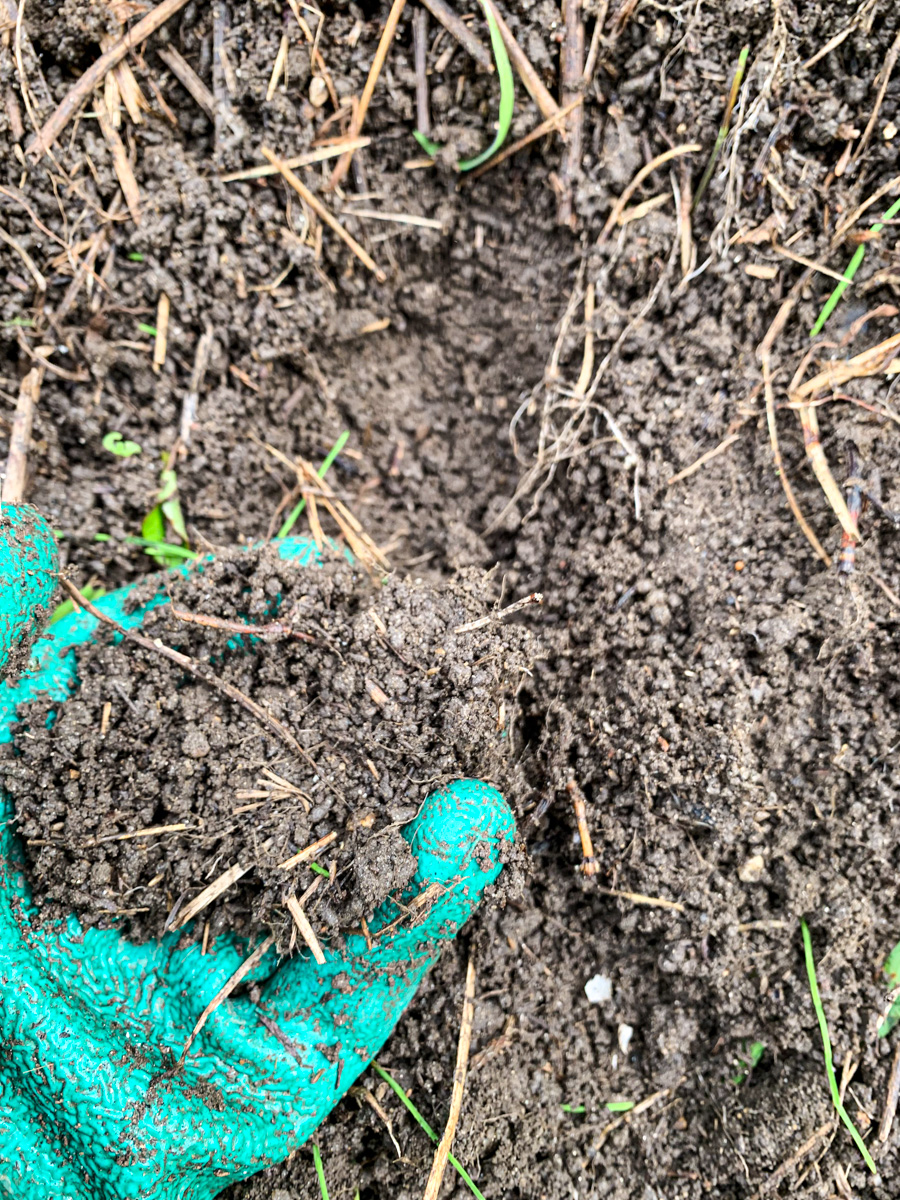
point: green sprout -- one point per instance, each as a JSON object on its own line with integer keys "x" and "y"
{"x": 166, "y": 509}
{"x": 319, "y": 870}
{"x": 322, "y": 472}
{"x": 116, "y": 444}
{"x": 452, "y": 1159}
{"x": 852, "y": 267}
{"x": 507, "y": 100}
{"x": 317, "y": 1159}
{"x": 826, "y": 1049}
{"x": 619, "y": 1105}
{"x": 150, "y": 330}
{"x": 135, "y": 256}
{"x": 574, "y": 1108}
{"x": 746, "y": 1066}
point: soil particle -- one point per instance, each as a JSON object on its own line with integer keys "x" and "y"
{"x": 387, "y": 702}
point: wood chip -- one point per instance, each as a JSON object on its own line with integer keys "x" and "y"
{"x": 96, "y": 72}
{"x": 359, "y": 116}
{"x": 890, "y": 1103}
{"x": 301, "y": 160}
{"x": 278, "y": 69}
{"x": 619, "y": 207}
{"x": 39, "y": 280}
{"x": 519, "y": 59}
{"x": 121, "y": 162}
{"x": 639, "y": 898}
{"x": 637, "y": 211}
{"x": 305, "y": 930}
{"x": 20, "y": 438}
{"x": 189, "y": 80}
{"x": 315, "y": 525}
{"x": 516, "y": 606}
{"x": 703, "y": 460}
{"x": 211, "y": 892}
{"x": 372, "y": 214}
{"x": 162, "y": 333}
{"x": 309, "y": 852}
{"x": 130, "y": 90}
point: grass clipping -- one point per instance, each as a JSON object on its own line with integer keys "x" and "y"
{"x": 826, "y": 1049}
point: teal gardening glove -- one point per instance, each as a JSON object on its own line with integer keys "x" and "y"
{"x": 95, "y": 1103}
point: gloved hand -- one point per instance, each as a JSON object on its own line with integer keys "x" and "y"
{"x": 95, "y": 1103}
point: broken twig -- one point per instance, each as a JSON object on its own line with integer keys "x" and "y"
{"x": 519, "y": 59}
{"x": 516, "y": 606}
{"x": 306, "y": 931}
{"x": 572, "y": 70}
{"x": 225, "y": 991}
{"x": 211, "y": 892}
{"x": 356, "y": 124}
{"x": 20, "y": 437}
{"x": 96, "y": 72}
{"x": 328, "y": 217}
{"x": 459, "y": 29}
{"x": 439, "y": 1165}
{"x": 198, "y": 670}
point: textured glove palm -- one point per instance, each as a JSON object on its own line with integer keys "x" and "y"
{"x": 95, "y": 1101}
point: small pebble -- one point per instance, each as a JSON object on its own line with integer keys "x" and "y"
{"x": 598, "y": 989}
{"x": 752, "y": 869}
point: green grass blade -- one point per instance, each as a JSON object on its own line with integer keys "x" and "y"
{"x": 158, "y": 549}
{"x": 322, "y": 472}
{"x": 317, "y": 1159}
{"x": 852, "y": 267}
{"x": 153, "y": 526}
{"x": 834, "y": 299}
{"x": 414, "y": 1112}
{"x": 426, "y": 143}
{"x": 826, "y": 1049}
{"x": 507, "y": 94}
{"x": 89, "y": 591}
{"x": 507, "y": 101}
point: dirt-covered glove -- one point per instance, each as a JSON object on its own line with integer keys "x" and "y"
{"x": 97, "y": 1099}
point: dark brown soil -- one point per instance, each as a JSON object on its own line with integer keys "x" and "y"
{"x": 727, "y": 703}
{"x": 387, "y": 702}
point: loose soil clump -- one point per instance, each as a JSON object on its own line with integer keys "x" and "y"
{"x": 385, "y": 698}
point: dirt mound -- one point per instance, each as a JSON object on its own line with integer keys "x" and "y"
{"x": 381, "y": 697}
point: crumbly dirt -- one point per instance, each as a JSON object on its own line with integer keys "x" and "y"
{"x": 728, "y": 704}
{"x": 384, "y": 698}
